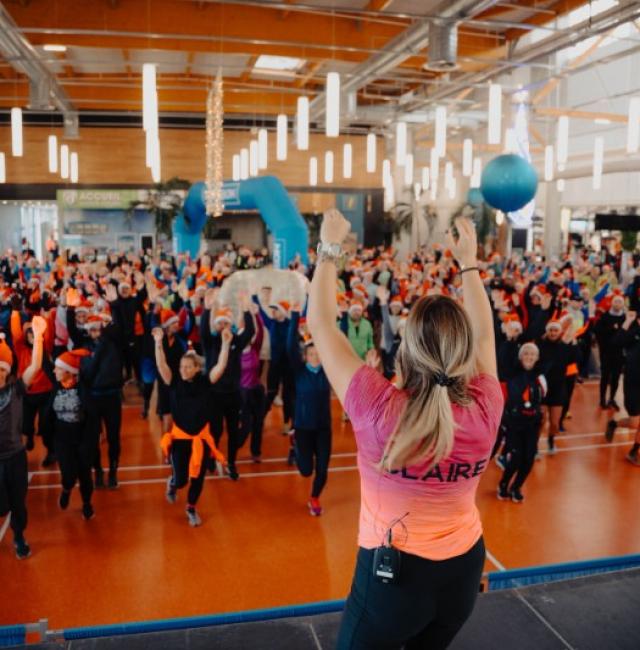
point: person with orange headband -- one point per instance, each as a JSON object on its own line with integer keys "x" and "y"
{"x": 13, "y": 455}
{"x": 189, "y": 444}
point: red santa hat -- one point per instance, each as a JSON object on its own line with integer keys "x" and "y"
{"x": 356, "y": 305}
{"x": 283, "y": 306}
{"x": 70, "y": 361}
{"x": 223, "y": 314}
{"x": 512, "y": 320}
{"x": 94, "y": 320}
{"x": 168, "y": 317}
{"x": 6, "y": 356}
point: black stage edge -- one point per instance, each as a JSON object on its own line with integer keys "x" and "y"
{"x": 601, "y": 612}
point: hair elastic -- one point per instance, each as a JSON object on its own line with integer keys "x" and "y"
{"x": 444, "y": 380}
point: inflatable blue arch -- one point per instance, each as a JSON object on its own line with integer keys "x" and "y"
{"x": 266, "y": 194}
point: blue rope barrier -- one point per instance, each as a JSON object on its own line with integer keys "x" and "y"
{"x": 12, "y": 635}
{"x": 170, "y": 624}
{"x": 514, "y": 578}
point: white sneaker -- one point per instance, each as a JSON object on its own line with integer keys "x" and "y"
{"x": 278, "y": 400}
{"x": 194, "y": 518}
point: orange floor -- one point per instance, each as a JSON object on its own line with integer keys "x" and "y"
{"x": 258, "y": 547}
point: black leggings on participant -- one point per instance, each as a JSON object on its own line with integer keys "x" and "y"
{"x": 75, "y": 461}
{"x": 38, "y": 404}
{"x": 610, "y": 369}
{"x": 180, "y": 458}
{"x": 107, "y": 408}
{"x": 14, "y": 481}
{"x": 313, "y": 445}
{"x": 226, "y": 407}
{"x": 252, "y": 416}
{"x": 521, "y": 447}
{"x": 425, "y": 609}
{"x": 280, "y": 372}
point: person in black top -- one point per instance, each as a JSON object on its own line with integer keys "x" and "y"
{"x": 225, "y": 399}
{"x": 74, "y": 436}
{"x": 611, "y": 356}
{"x": 312, "y": 418}
{"x": 13, "y": 455}
{"x": 628, "y": 338}
{"x": 124, "y": 311}
{"x": 189, "y": 444}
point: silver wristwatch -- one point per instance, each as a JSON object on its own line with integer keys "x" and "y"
{"x": 330, "y": 253}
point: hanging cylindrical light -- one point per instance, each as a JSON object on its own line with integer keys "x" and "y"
{"x": 328, "y": 167}
{"x": 441, "y": 131}
{"x": 598, "y": 159}
{"x": 302, "y": 124}
{"x": 16, "y": 132}
{"x": 425, "y": 179}
{"x": 560, "y": 185}
{"x": 235, "y": 167}
{"x": 453, "y": 186}
{"x": 73, "y": 167}
{"x": 633, "y": 127}
{"x": 156, "y": 173}
{"x": 347, "y": 160}
{"x": 434, "y": 165}
{"x": 401, "y": 143}
{"x": 3, "y": 168}
{"x": 53, "y": 154}
{"x": 313, "y": 171}
{"x": 408, "y": 169}
{"x": 477, "y": 173}
{"x": 434, "y": 189}
{"x": 548, "y": 163}
{"x": 332, "y": 108}
{"x": 467, "y": 157}
{"x": 448, "y": 175}
{"x": 386, "y": 171}
{"x": 214, "y": 149}
{"x": 149, "y": 97}
{"x": 371, "y": 153}
{"x": 495, "y": 113}
{"x": 263, "y": 149}
{"x": 417, "y": 191}
{"x": 281, "y": 137}
{"x": 244, "y": 164}
{"x": 64, "y": 161}
{"x": 253, "y": 158}
{"x": 562, "y": 142}
{"x": 387, "y": 184}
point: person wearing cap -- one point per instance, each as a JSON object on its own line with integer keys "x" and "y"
{"x": 74, "y": 435}
{"x": 13, "y": 456}
{"x": 392, "y": 329}
{"x": 537, "y": 303}
{"x": 524, "y": 390}
{"x": 312, "y": 419}
{"x": 225, "y": 398}
{"x": 358, "y": 329}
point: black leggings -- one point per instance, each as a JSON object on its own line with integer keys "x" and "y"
{"x": 425, "y": 609}
{"x": 610, "y": 369}
{"x": 14, "y": 481}
{"x": 226, "y": 407}
{"x": 252, "y": 415}
{"x": 107, "y": 408}
{"x": 38, "y": 404}
{"x": 180, "y": 457}
{"x": 313, "y": 445}
{"x": 521, "y": 447}
{"x": 74, "y": 460}
{"x": 571, "y": 384}
{"x": 280, "y": 372}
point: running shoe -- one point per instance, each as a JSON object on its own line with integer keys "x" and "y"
{"x": 611, "y": 429}
{"x": 256, "y": 459}
{"x": 232, "y": 472}
{"x": 315, "y": 509}
{"x": 170, "y": 492}
{"x": 193, "y": 517}
{"x": 633, "y": 459}
{"x": 499, "y": 461}
{"x": 23, "y": 551}
{"x": 503, "y": 493}
{"x": 63, "y": 500}
{"x": 551, "y": 450}
{"x": 291, "y": 458}
{"x": 113, "y": 479}
{"x": 87, "y": 511}
{"x": 516, "y": 496}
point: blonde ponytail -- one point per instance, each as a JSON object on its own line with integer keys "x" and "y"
{"x": 434, "y": 362}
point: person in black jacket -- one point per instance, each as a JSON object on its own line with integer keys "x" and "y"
{"x": 124, "y": 311}
{"x": 226, "y": 400}
{"x": 611, "y": 356}
{"x": 312, "y": 418}
{"x": 628, "y": 338}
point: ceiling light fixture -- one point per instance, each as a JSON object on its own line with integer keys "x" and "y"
{"x": 332, "y": 108}
{"x": 281, "y": 135}
{"x": 495, "y": 114}
{"x": 371, "y": 153}
{"x": 302, "y": 124}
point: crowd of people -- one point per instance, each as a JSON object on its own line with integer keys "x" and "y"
{"x": 75, "y": 329}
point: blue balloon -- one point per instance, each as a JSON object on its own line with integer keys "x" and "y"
{"x": 194, "y": 208}
{"x": 474, "y": 197}
{"x": 508, "y": 183}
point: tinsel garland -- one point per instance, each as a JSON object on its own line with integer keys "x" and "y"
{"x": 213, "y": 192}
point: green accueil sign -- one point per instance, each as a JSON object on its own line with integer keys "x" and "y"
{"x": 99, "y": 199}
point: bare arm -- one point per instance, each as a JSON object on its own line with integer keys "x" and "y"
{"x": 339, "y": 361}
{"x": 218, "y": 370}
{"x": 161, "y": 359}
{"x": 39, "y": 326}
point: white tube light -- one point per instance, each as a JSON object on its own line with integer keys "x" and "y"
{"x": 155, "y": 157}
{"x": 371, "y": 153}
{"x": 64, "y": 161}
{"x": 434, "y": 164}
{"x": 598, "y": 158}
{"x": 408, "y": 169}
{"x": 253, "y": 158}
{"x": 562, "y": 142}
{"x": 302, "y": 124}
{"x": 548, "y": 163}
{"x": 453, "y": 186}
{"x": 477, "y": 173}
{"x": 401, "y": 143}
{"x": 560, "y": 185}
{"x": 434, "y": 190}
{"x": 3, "y": 168}
{"x": 425, "y": 178}
{"x": 347, "y": 160}
{"x": 313, "y": 171}
{"x": 417, "y": 191}
{"x": 244, "y": 164}
{"x": 73, "y": 167}
{"x": 441, "y": 131}
{"x": 633, "y": 127}
{"x": 386, "y": 171}
{"x": 235, "y": 167}
{"x": 149, "y": 97}
{"x": 16, "y": 132}
{"x": 495, "y": 114}
{"x": 53, "y": 154}
{"x": 332, "y": 108}
{"x": 263, "y": 149}
{"x": 149, "y": 137}
{"x": 281, "y": 134}
{"x": 448, "y": 175}
{"x": 328, "y": 167}
{"x": 467, "y": 157}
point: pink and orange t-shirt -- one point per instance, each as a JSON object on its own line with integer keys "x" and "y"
{"x": 440, "y": 519}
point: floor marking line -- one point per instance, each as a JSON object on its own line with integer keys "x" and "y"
{"x": 544, "y": 621}
{"x": 315, "y": 637}
{"x": 495, "y": 561}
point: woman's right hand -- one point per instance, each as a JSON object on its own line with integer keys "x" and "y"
{"x": 157, "y": 334}
{"x": 465, "y": 247}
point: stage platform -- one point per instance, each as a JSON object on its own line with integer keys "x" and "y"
{"x": 591, "y": 613}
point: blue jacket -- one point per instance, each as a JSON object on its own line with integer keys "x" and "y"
{"x": 278, "y": 331}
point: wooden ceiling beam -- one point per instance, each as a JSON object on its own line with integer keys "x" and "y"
{"x": 553, "y": 111}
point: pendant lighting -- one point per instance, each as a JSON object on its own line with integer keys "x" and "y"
{"x": 244, "y": 164}
{"x": 53, "y": 154}
{"x": 313, "y": 171}
{"x": 149, "y": 97}
{"x": 562, "y": 142}
{"x": 495, "y": 114}
{"x": 3, "y": 168}
{"x": 281, "y": 135}
{"x": 441, "y": 131}
{"x": 347, "y": 160}
{"x": 235, "y": 167}
{"x": 253, "y": 158}
{"x": 16, "y": 132}
{"x": 477, "y": 173}
{"x": 371, "y": 153}
{"x": 263, "y": 149}
{"x": 332, "y": 108}
{"x": 328, "y": 167}
{"x": 425, "y": 179}
{"x": 434, "y": 164}
{"x": 64, "y": 161}
{"x": 401, "y": 143}
{"x": 467, "y": 157}
{"x": 408, "y": 169}
{"x": 73, "y": 165}
{"x": 548, "y": 163}
{"x": 302, "y": 124}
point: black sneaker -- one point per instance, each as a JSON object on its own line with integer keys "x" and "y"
{"x": 503, "y": 493}
{"x": 610, "y": 430}
{"x": 30, "y": 443}
{"x": 63, "y": 501}
{"x": 113, "y": 479}
{"x": 87, "y": 511}
{"x": 551, "y": 450}
{"x": 170, "y": 492}
{"x": 232, "y": 472}
{"x": 516, "y": 496}
{"x": 49, "y": 459}
{"x": 23, "y": 550}
{"x": 99, "y": 480}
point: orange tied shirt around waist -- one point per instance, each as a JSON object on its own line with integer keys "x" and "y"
{"x": 197, "y": 447}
